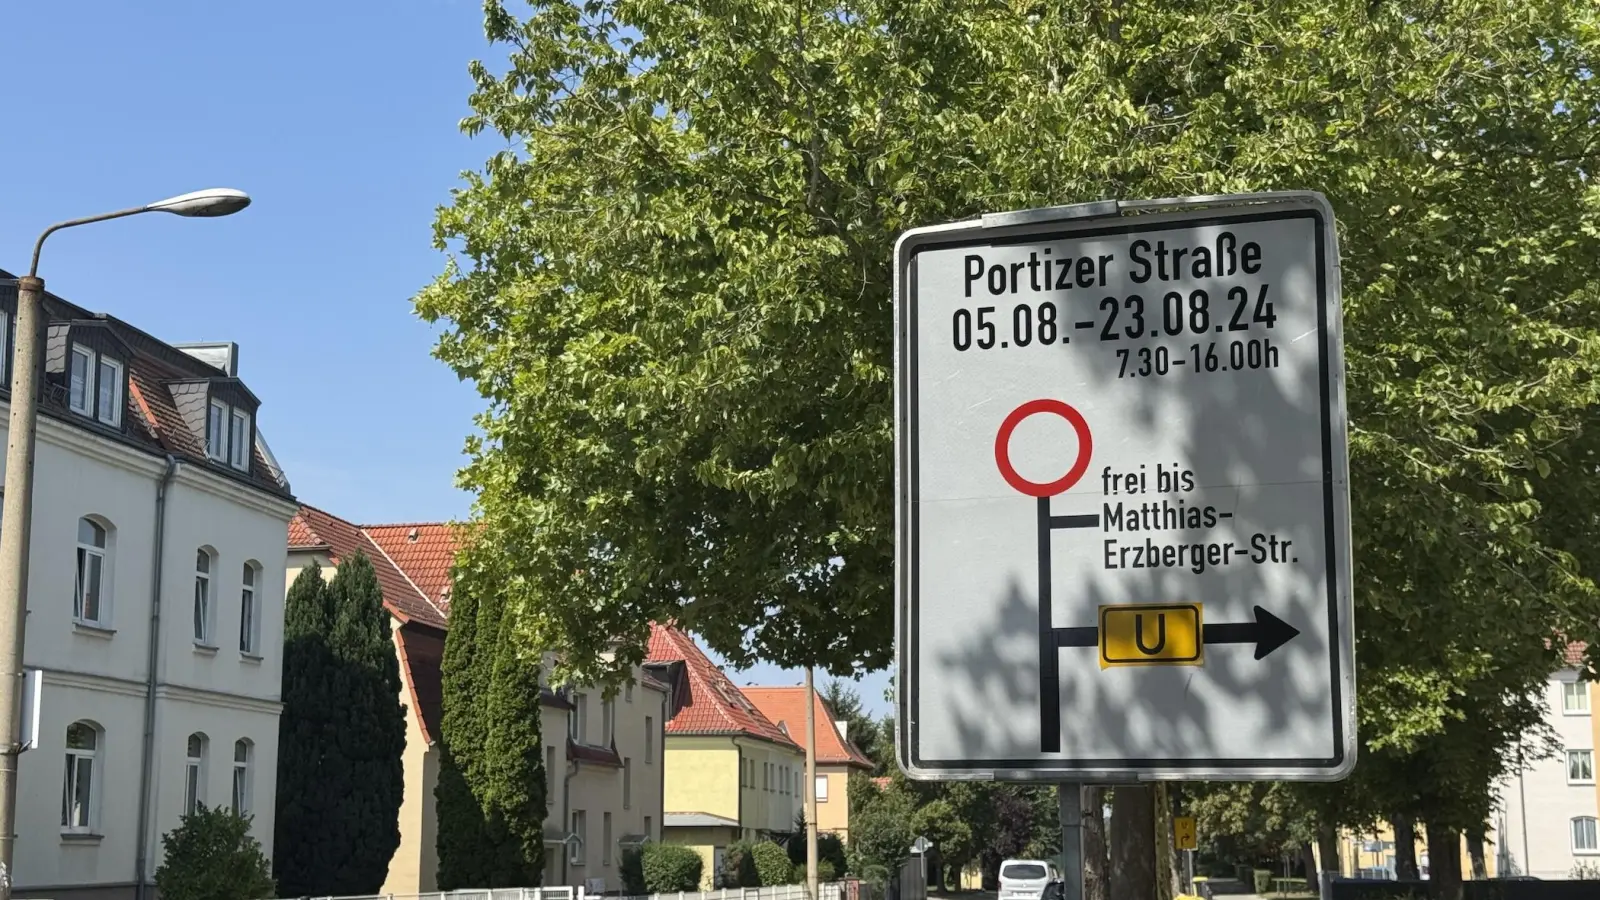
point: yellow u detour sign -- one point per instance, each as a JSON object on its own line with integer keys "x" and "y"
{"x": 1151, "y": 634}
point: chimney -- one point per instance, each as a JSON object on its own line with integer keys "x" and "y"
{"x": 223, "y": 355}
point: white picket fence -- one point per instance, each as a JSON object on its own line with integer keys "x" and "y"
{"x": 548, "y": 893}
{"x": 829, "y": 891}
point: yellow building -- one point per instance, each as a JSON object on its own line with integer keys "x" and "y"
{"x": 604, "y": 762}
{"x": 837, "y": 757}
{"x": 731, "y": 773}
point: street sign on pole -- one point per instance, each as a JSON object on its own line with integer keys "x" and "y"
{"x": 1122, "y": 494}
{"x": 1184, "y": 835}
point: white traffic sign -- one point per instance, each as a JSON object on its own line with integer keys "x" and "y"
{"x": 1122, "y": 494}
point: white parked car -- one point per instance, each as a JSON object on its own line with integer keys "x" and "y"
{"x": 1025, "y": 879}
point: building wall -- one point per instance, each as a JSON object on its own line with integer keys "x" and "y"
{"x": 99, "y": 674}
{"x": 414, "y": 869}
{"x": 630, "y": 793}
{"x": 770, "y": 804}
{"x": 702, "y": 775}
{"x": 1539, "y": 803}
{"x": 833, "y": 814}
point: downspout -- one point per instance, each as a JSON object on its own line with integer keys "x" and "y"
{"x": 566, "y": 815}
{"x": 141, "y": 862}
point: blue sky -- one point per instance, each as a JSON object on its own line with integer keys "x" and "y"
{"x": 340, "y": 120}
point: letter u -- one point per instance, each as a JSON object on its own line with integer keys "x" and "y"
{"x": 1161, "y": 633}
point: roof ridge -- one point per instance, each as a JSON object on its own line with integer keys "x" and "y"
{"x": 445, "y": 523}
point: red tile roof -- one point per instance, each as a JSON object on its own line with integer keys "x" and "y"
{"x": 1575, "y": 652}
{"x": 715, "y": 706}
{"x": 425, "y": 552}
{"x": 344, "y": 539}
{"x": 787, "y": 706}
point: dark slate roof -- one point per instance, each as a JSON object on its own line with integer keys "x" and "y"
{"x": 162, "y": 380}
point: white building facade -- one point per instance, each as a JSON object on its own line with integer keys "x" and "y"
{"x": 1549, "y": 809}
{"x": 155, "y": 598}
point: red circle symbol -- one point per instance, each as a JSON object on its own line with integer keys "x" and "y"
{"x": 1002, "y": 448}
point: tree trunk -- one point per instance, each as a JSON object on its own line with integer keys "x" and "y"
{"x": 1444, "y": 862}
{"x": 1405, "y": 848}
{"x": 1167, "y": 885}
{"x": 1133, "y": 852}
{"x": 1480, "y": 868}
{"x": 1095, "y": 862}
{"x": 1328, "y": 849}
{"x": 1308, "y": 864}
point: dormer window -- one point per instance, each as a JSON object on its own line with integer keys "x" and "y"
{"x": 228, "y": 435}
{"x": 89, "y": 371}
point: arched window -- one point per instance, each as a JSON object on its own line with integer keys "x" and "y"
{"x": 1584, "y": 837}
{"x": 89, "y": 600}
{"x": 80, "y": 787}
{"x": 194, "y": 778}
{"x": 202, "y": 596}
{"x": 249, "y": 611}
{"x": 242, "y": 753}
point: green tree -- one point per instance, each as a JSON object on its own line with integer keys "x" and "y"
{"x": 674, "y": 291}
{"x": 861, "y": 728}
{"x": 880, "y": 831}
{"x": 491, "y": 790}
{"x": 212, "y": 856}
{"x": 340, "y": 737}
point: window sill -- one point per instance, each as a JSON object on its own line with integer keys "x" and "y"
{"x": 90, "y": 629}
{"x": 81, "y": 837}
{"x": 1589, "y": 783}
{"x": 205, "y": 649}
{"x": 1575, "y": 713}
{"x": 253, "y": 659}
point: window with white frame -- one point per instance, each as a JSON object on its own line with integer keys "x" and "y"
{"x": 249, "y": 613}
{"x": 649, "y": 739}
{"x": 822, "y": 789}
{"x": 217, "y": 431}
{"x": 194, "y": 780}
{"x": 579, "y": 821}
{"x": 202, "y": 597}
{"x": 80, "y": 383}
{"x": 1575, "y": 697}
{"x": 242, "y": 751}
{"x": 577, "y": 720}
{"x": 89, "y": 599}
{"x": 79, "y": 789}
{"x": 627, "y": 782}
{"x": 608, "y": 722}
{"x": 1580, "y": 767}
{"x": 647, "y": 832}
{"x": 239, "y": 440}
{"x": 108, "y": 406}
{"x": 627, "y": 692}
{"x": 1584, "y": 838}
{"x": 605, "y": 838}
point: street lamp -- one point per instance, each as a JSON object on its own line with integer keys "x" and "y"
{"x": 16, "y": 508}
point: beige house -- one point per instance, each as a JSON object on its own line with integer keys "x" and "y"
{"x": 837, "y": 757}
{"x": 604, "y": 784}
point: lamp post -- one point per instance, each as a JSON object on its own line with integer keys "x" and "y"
{"x": 16, "y": 508}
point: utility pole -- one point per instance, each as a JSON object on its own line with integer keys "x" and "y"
{"x": 811, "y": 787}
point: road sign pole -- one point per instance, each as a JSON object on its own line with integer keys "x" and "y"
{"x": 1071, "y": 802}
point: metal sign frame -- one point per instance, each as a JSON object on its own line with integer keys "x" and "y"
{"x": 1100, "y": 219}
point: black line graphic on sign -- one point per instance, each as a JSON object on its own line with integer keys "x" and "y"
{"x": 1267, "y": 632}
{"x": 1049, "y": 650}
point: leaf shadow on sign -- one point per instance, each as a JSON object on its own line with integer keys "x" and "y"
{"x": 1247, "y": 434}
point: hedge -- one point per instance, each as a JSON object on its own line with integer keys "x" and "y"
{"x": 669, "y": 868}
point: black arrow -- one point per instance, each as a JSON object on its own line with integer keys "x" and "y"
{"x": 1267, "y": 632}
